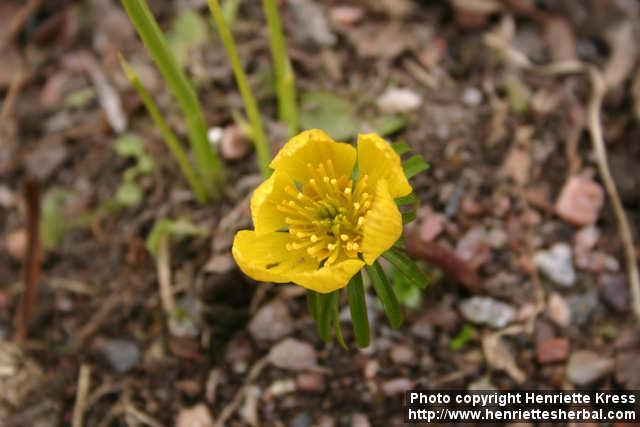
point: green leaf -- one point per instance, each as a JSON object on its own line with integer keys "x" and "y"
{"x": 407, "y": 267}
{"x": 385, "y": 294}
{"x": 400, "y": 147}
{"x": 390, "y": 123}
{"x": 414, "y": 165}
{"x": 129, "y": 194}
{"x": 408, "y": 214}
{"x": 336, "y": 321}
{"x": 464, "y": 336}
{"x": 175, "y": 228}
{"x": 408, "y": 217}
{"x": 53, "y": 221}
{"x": 80, "y": 98}
{"x": 326, "y": 111}
{"x": 230, "y": 11}
{"x": 358, "y": 309}
{"x": 325, "y": 314}
{"x": 312, "y": 303}
{"x": 188, "y": 30}
{"x": 129, "y": 146}
{"x": 407, "y": 294}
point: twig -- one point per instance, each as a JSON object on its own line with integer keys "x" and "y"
{"x": 595, "y": 130}
{"x": 32, "y": 260}
{"x": 598, "y": 90}
{"x": 18, "y": 21}
{"x": 228, "y": 410}
{"x": 163, "y": 268}
{"x": 84, "y": 382}
{"x": 10, "y": 101}
{"x": 107, "y": 306}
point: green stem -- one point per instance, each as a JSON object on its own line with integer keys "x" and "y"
{"x": 169, "y": 137}
{"x": 258, "y": 134}
{"x": 285, "y": 78}
{"x": 149, "y": 31}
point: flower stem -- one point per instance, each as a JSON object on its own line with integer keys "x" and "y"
{"x": 257, "y": 129}
{"x": 285, "y": 78}
{"x": 149, "y": 31}
{"x": 169, "y": 137}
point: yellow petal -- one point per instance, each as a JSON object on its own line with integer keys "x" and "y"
{"x": 328, "y": 279}
{"x": 265, "y": 257}
{"x": 377, "y": 159}
{"x": 313, "y": 146}
{"x": 264, "y": 212}
{"x": 382, "y": 224}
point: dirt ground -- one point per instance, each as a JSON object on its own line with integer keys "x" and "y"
{"x": 529, "y": 285}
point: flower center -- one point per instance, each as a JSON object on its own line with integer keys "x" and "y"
{"x": 325, "y": 215}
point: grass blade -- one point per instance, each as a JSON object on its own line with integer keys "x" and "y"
{"x": 414, "y": 165}
{"x": 358, "y": 309}
{"x": 258, "y": 134}
{"x": 325, "y": 314}
{"x": 285, "y": 78}
{"x": 312, "y": 303}
{"x": 336, "y": 321}
{"x": 149, "y": 31}
{"x": 169, "y": 137}
{"x": 385, "y": 294}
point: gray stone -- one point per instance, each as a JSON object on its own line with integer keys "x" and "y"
{"x": 294, "y": 355}
{"x": 556, "y": 263}
{"x": 585, "y": 367}
{"x": 271, "y": 322}
{"x": 121, "y": 354}
{"x": 487, "y": 311}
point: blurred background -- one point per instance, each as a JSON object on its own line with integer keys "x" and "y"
{"x": 516, "y": 230}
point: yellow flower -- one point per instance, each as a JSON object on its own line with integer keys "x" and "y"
{"x": 314, "y": 224}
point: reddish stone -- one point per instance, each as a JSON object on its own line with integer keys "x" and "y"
{"x": 580, "y": 201}
{"x": 552, "y": 350}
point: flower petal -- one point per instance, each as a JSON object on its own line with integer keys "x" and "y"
{"x": 313, "y": 146}
{"x": 328, "y": 279}
{"x": 377, "y": 159}
{"x": 382, "y": 224}
{"x": 265, "y": 258}
{"x": 264, "y": 212}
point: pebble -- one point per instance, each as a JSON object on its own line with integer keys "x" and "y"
{"x": 431, "y": 227}
{"x": 346, "y": 15}
{"x": 558, "y": 310}
{"x": 580, "y": 201}
{"x": 556, "y": 264}
{"x": 585, "y": 367}
{"x": 552, "y": 350}
{"x": 271, "y": 322}
{"x": 628, "y": 369}
{"x": 487, "y": 311}
{"x": 396, "y": 100}
{"x": 293, "y": 354}
{"x": 402, "y": 354}
{"x": 423, "y": 329}
{"x": 325, "y": 421}
{"x": 16, "y": 244}
{"x": 613, "y": 290}
{"x": 396, "y": 386}
{"x": 234, "y": 144}
{"x": 360, "y": 420}
{"x": 582, "y": 307}
{"x": 311, "y": 26}
{"x": 310, "y": 382}
{"x": 473, "y": 247}
{"x": 472, "y": 97}
{"x": 303, "y": 419}
{"x": 121, "y": 354}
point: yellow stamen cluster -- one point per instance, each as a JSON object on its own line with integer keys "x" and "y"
{"x": 325, "y": 215}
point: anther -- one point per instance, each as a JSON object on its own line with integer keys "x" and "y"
{"x": 344, "y": 237}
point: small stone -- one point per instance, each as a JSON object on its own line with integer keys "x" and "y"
{"x": 402, "y": 354}
{"x": 346, "y": 15}
{"x": 556, "y": 264}
{"x": 628, "y": 369}
{"x": 552, "y": 350}
{"x": 237, "y": 354}
{"x": 303, "y": 419}
{"x": 360, "y": 420}
{"x": 585, "y": 367}
{"x": 582, "y": 307}
{"x": 473, "y": 247}
{"x": 487, "y": 311}
{"x": 558, "y": 310}
{"x": 310, "y": 382}
{"x": 396, "y": 100}
{"x": 423, "y": 329}
{"x": 196, "y": 416}
{"x": 311, "y": 26}
{"x": 46, "y": 158}
{"x": 396, "y": 386}
{"x": 586, "y": 238}
{"x": 16, "y": 244}
{"x": 293, "y": 354}
{"x": 234, "y": 144}
{"x": 280, "y": 387}
{"x": 497, "y": 238}
{"x": 214, "y": 135}
{"x": 580, "y": 201}
{"x": 121, "y": 354}
{"x": 472, "y": 97}
{"x": 614, "y": 291}
{"x": 371, "y": 369}
{"x": 325, "y": 421}
{"x": 431, "y": 227}
{"x": 271, "y": 322}
{"x": 517, "y": 165}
